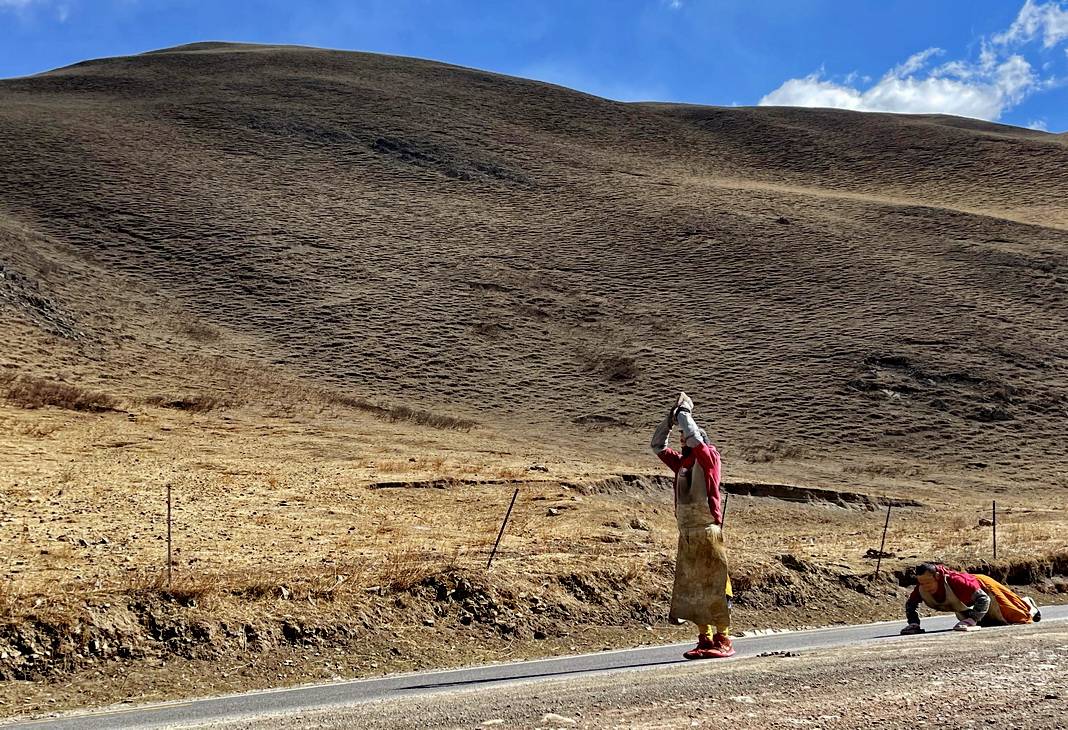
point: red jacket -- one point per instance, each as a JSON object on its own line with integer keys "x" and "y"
{"x": 963, "y": 585}
{"x": 707, "y": 456}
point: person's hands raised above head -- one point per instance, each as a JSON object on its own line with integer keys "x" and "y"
{"x": 684, "y": 403}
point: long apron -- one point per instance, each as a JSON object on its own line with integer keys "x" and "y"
{"x": 699, "y": 593}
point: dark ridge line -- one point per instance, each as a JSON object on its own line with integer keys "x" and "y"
{"x": 815, "y": 494}
{"x": 782, "y": 492}
{"x": 451, "y": 482}
{"x": 657, "y": 482}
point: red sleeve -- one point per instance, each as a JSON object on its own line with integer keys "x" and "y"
{"x": 708, "y": 458}
{"x": 672, "y": 458}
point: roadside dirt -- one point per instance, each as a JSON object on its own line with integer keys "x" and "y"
{"x": 1005, "y": 678}
{"x": 148, "y": 647}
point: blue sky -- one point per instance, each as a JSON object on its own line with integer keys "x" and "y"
{"x": 1005, "y": 60}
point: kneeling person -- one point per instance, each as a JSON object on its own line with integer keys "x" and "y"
{"x": 977, "y": 600}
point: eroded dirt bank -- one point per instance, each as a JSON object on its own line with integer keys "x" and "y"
{"x": 152, "y": 644}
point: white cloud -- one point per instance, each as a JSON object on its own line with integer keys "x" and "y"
{"x": 967, "y": 91}
{"x": 1038, "y": 124}
{"x": 984, "y": 87}
{"x": 1048, "y": 19}
{"x": 813, "y": 90}
{"x": 915, "y": 62}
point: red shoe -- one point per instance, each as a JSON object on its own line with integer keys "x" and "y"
{"x": 722, "y": 646}
{"x": 718, "y": 647}
{"x": 703, "y": 650}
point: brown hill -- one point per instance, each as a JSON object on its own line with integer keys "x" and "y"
{"x": 846, "y": 285}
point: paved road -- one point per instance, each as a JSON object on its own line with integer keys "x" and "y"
{"x": 342, "y": 694}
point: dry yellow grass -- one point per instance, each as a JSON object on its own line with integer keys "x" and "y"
{"x": 31, "y": 392}
{"x": 298, "y": 496}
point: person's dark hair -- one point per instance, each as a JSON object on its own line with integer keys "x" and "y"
{"x": 923, "y": 568}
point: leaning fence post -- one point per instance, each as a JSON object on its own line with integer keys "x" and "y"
{"x": 879, "y": 561}
{"x": 169, "y": 561}
{"x": 503, "y": 525}
{"x": 994, "y": 524}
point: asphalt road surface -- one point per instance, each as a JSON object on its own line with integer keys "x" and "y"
{"x": 269, "y": 703}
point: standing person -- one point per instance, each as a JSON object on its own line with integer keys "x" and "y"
{"x": 978, "y": 600}
{"x": 699, "y": 593}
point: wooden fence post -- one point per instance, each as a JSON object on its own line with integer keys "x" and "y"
{"x": 879, "y": 561}
{"x": 169, "y": 560}
{"x": 994, "y": 523}
{"x": 503, "y": 525}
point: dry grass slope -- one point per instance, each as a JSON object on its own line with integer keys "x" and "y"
{"x": 464, "y": 242}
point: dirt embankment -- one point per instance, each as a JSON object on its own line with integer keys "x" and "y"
{"x": 154, "y": 643}
{"x": 784, "y": 492}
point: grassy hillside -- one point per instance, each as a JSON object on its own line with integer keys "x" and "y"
{"x": 509, "y": 249}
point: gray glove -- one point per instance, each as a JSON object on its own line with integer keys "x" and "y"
{"x": 689, "y": 427}
{"x": 663, "y": 432}
{"x": 684, "y": 403}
